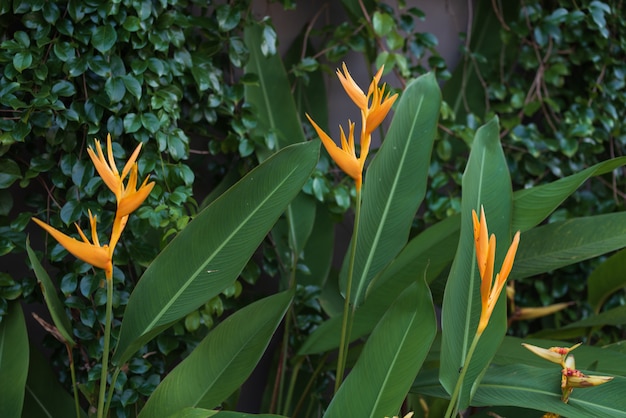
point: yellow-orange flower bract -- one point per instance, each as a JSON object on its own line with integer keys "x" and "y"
{"x": 95, "y": 254}
{"x": 128, "y": 197}
{"x": 485, "y": 255}
{"x": 374, "y": 108}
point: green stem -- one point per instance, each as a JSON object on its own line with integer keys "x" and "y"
{"x": 73, "y": 374}
{"x": 346, "y": 325}
{"x": 453, "y": 405}
{"x": 292, "y": 384}
{"x": 107, "y": 405}
{"x": 106, "y": 348}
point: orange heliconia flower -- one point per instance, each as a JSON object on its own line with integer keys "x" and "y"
{"x": 485, "y": 255}
{"x": 128, "y": 197}
{"x": 374, "y": 108}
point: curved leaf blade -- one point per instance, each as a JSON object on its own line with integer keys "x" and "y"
{"x": 208, "y": 255}
{"x": 391, "y": 358}
{"x": 560, "y": 244}
{"x": 486, "y": 182}
{"x": 13, "y": 361}
{"x": 222, "y": 361}
{"x": 607, "y": 278}
{"x": 531, "y": 206}
{"x": 395, "y": 182}
{"x": 55, "y": 307}
{"x": 271, "y": 97}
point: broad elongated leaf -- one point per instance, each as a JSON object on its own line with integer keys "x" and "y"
{"x": 277, "y": 117}
{"x": 559, "y": 244}
{"x": 391, "y": 358}
{"x": 531, "y": 206}
{"x": 607, "y": 278}
{"x": 45, "y": 397}
{"x": 55, "y": 307}
{"x": 208, "y": 255}
{"x": 485, "y": 182}
{"x": 395, "y": 182}
{"x": 222, "y": 361}
{"x": 13, "y": 361}
{"x": 273, "y": 102}
{"x": 425, "y": 256}
{"x": 615, "y": 316}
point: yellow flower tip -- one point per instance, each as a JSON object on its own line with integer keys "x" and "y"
{"x": 352, "y": 88}
{"x": 539, "y": 312}
{"x": 544, "y": 353}
{"x": 584, "y": 381}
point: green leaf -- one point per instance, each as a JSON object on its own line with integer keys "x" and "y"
{"x": 228, "y": 16}
{"x": 607, "y": 278}
{"x": 115, "y": 89}
{"x": 103, "y": 38}
{"x": 615, "y": 316}
{"x": 45, "y": 397}
{"x": 13, "y": 361}
{"x": 382, "y": 23}
{"x": 55, "y": 307}
{"x": 222, "y": 362}
{"x": 560, "y": 244}
{"x": 9, "y": 172}
{"x": 63, "y": 88}
{"x": 132, "y": 85}
{"x": 22, "y": 60}
{"x": 486, "y": 182}
{"x": 150, "y": 122}
{"x": 208, "y": 255}
{"x": 395, "y": 182}
{"x": 391, "y": 358}
{"x": 531, "y": 206}
{"x": 425, "y": 256}
{"x": 271, "y": 97}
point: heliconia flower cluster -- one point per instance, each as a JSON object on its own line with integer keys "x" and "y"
{"x": 128, "y": 198}
{"x": 374, "y": 107}
{"x": 570, "y": 377}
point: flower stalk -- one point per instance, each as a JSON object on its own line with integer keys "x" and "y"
{"x": 374, "y": 107}
{"x": 490, "y": 289}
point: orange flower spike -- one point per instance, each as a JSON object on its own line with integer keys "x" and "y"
{"x": 485, "y": 256}
{"x": 345, "y": 157}
{"x": 352, "y": 88}
{"x": 94, "y": 254}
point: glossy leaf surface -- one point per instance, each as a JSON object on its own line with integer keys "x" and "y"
{"x": 222, "y": 361}
{"x": 486, "y": 182}
{"x": 208, "y": 255}
{"x": 395, "y": 182}
{"x": 390, "y": 360}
